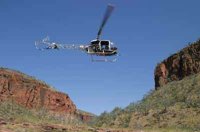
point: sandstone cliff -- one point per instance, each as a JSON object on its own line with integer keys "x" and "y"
{"x": 179, "y": 65}
{"x": 32, "y": 93}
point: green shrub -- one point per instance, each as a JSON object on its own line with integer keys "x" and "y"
{"x": 12, "y": 111}
{"x": 176, "y": 104}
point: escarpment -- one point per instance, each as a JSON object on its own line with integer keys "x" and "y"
{"x": 32, "y": 93}
{"x": 179, "y": 65}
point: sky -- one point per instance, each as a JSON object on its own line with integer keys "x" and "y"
{"x": 145, "y": 31}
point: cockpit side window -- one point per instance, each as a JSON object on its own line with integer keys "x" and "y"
{"x": 105, "y": 45}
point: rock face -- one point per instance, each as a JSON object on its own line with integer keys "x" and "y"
{"x": 85, "y": 116}
{"x": 184, "y": 63}
{"x": 32, "y": 93}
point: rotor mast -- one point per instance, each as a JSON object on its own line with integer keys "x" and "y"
{"x": 107, "y": 14}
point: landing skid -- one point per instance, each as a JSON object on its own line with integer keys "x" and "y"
{"x": 94, "y": 59}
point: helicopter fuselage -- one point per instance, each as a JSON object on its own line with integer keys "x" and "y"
{"x": 101, "y": 48}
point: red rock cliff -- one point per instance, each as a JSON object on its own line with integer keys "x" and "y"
{"x": 184, "y": 63}
{"x": 32, "y": 93}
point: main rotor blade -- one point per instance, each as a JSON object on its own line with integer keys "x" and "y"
{"x": 106, "y": 16}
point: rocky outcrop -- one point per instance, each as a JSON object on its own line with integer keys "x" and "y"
{"x": 32, "y": 93}
{"x": 86, "y": 117}
{"x": 184, "y": 63}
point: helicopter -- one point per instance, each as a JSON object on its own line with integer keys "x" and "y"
{"x": 97, "y": 47}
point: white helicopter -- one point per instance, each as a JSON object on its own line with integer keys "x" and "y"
{"x": 97, "y": 47}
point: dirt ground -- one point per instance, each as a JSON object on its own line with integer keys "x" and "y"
{"x": 6, "y": 126}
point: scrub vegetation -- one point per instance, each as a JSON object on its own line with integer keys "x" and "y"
{"x": 175, "y": 106}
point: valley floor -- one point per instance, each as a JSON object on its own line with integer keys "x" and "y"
{"x": 12, "y": 126}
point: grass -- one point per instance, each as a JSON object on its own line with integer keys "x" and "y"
{"x": 18, "y": 128}
{"x": 37, "y": 120}
{"x": 169, "y": 130}
{"x": 174, "y": 106}
{"x": 13, "y": 112}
